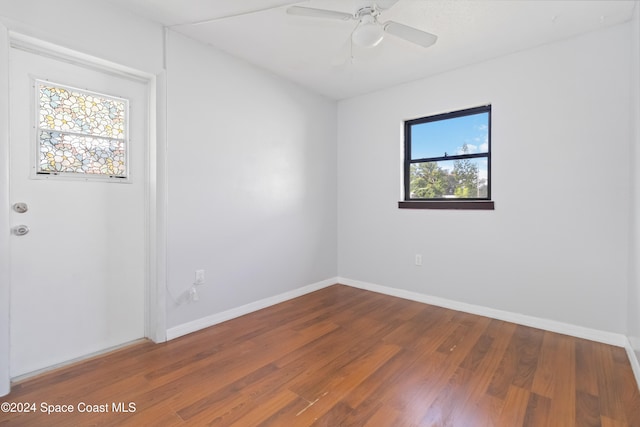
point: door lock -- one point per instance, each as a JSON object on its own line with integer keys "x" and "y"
{"x": 20, "y": 230}
{"x": 20, "y": 207}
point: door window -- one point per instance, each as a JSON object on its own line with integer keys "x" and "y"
{"x": 80, "y": 133}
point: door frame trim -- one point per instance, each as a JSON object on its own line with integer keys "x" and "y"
{"x": 155, "y": 188}
{"x": 5, "y": 263}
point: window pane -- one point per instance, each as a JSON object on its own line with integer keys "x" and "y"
{"x": 450, "y": 179}
{"x": 66, "y": 153}
{"x": 72, "y": 111}
{"x": 459, "y": 135}
{"x": 81, "y": 133}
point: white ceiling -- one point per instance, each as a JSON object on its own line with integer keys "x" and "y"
{"x": 316, "y": 52}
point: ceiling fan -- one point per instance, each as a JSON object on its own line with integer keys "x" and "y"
{"x": 369, "y": 32}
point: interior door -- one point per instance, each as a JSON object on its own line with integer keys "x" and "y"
{"x": 78, "y": 274}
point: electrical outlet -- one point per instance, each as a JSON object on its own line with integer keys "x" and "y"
{"x": 418, "y": 259}
{"x": 193, "y": 294}
{"x": 199, "y": 277}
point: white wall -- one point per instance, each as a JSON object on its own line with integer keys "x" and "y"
{"x": 556, "y": 247}
{"x": 92, "y": 27}
{"x": 252, "y": 182}
{"x": 633, "y": 324}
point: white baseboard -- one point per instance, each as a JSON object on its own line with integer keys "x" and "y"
{"x": 633, "y": 349}
{"x": 84, "y": 358}
{"x": 611, "y": 338}
{"x": 214, "y": 319}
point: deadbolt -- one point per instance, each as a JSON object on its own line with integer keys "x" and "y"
{"x": 20, "y": 207}
{"x": 20, "y": 230}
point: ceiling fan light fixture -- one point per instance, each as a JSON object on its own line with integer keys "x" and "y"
{"x": 368, "y": 33}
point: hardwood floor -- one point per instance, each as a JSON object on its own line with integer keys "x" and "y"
{"x": 345, "y": 357}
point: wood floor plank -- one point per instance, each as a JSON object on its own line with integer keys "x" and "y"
{"x": 440, "y": 388}
{"x": 586, "y": 361}
{"x": 630, "y": 392}
{"x": 515, "y": 406}
{"x": 544, "y": 379}
{"x": 519, "y": 363}
{"x": 563, "y": 403}
{"x": 487, "y": 412}
{"x": 347, "y": 357}
{"x": 528, "y": 348}
{"x": 406, "y": 386}
{"x": 608, "y": 422}
{"x": 314, "y": 381}
{"x": 383, "y": 416}
{"x": 537, "y": 411}
{"x": 506, "y": 371}
{"x": 500, "y": 334}
{"x": 261, "y": 415}
{"x": 450, "y": 397}
{"x": 609, "y": 385}
{"x": 367, "y": 397}
{"x": 425, "y": 327}
{"x": 587, "y": 409}
{"x": 342, "y": 382}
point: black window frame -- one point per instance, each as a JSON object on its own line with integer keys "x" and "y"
{"x": 442, "y": 202}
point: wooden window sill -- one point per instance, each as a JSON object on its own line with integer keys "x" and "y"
{"x": 448, "y": 204}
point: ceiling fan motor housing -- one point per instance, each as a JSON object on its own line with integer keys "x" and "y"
{"x": 369, "y": 32}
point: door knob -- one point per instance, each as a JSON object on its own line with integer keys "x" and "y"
{"x": 20, "y": 230}
{"x": 20, "y": 207}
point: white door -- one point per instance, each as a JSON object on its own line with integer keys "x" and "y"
{"x": 78, "y": 276}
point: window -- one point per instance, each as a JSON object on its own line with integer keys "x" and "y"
{"x": 80, "y": 133}
{"x": 447, "y": 161}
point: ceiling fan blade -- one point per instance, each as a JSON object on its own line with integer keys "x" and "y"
{"x": 410, "y": 34}
{"x": 318, "y": 13}
{"x": 235, "y": 15}
{"x": 385, "y": 4}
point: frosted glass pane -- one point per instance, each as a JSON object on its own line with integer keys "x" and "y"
{"x": 66, "y": 153}
{"x": 81, "y": 132}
